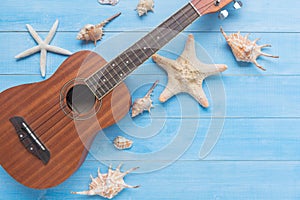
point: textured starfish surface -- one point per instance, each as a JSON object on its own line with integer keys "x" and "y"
{"x": 43, "y": 47}
{"x": 186, "y": 74}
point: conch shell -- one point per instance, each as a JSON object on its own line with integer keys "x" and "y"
{"x": 108, "y": 185}
{"x": 144, "y": 6}
{"x": 142, "y": 104}
{"x": 122, "y": 143}
{"x": 92, "y": 32}
{"x": 245, "y": 50}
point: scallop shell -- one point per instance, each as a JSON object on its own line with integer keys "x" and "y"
{"x": 92, "y": 32}
{"x": 245, "y": 50}
{"x": 144, "y": 6}
{"x": 108, "y": 185}
{"x": 122, "y": 143}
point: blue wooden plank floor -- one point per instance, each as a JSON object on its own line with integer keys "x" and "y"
{"x": 257, "y": 113}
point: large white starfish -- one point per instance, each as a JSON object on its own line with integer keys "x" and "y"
{"x": 43, "y": 47}
{"x": 186, "y": 74}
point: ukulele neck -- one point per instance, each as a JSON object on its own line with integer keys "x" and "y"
{"x": 114, "y": 72}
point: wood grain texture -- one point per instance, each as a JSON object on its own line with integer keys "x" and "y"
{"x": 67, "y": 139}
{"x": 257, "y": 156}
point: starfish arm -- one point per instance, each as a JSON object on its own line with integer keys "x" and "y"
{"x": 58, "y": 50}
{"x": 197, "y": 92}
{"x": 28, "y": 52}
{"x": 165, "y": 63}
{"x": 189, "y": 52}
{"x": 34, "y": 34}
{"x": 43, "y": 62}
{"x": 211, "y": 69}
{"x": 172, "y": 88}
{"x": 51, "y": 32}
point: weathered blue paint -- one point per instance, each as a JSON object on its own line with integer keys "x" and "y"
{"x": 257, "y": 156}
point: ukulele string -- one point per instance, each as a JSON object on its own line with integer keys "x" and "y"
{"x": 79, "y": 95}
{"x": 194, "y": 15}
{"x": 134, "y": 60}
{"x": 58, "y": 111}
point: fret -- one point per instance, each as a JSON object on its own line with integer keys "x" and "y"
{"x": 107, "y": 79}
{"x": 189, "y": 18}
{"x": 116, "y": 73}
{"x": 121, "y": 65}
{"x": 149, "y": 48}
{"x": 126, "y": 59}
{"x": 136, "y": 56}
{"x": 98, "y": 89}
{"x": 113, "y": 65}
{"x": 135, "y": 61}
{"x": 91, "y": 85}
{"x": 119, "y": 68}
{"x": 100, "y": 80}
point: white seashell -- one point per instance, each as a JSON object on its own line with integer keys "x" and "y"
{"x": 122, "y": 143}
{"x": 142, "y": 104}
{"x": 144, "y": 6}
{"x": 109, "y": 2}
{"x": 245, "y": 50}
{"x": 108, "y": 185}
{"x": 92, "y": 32}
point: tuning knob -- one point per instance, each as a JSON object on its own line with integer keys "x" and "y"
{"x": 237, "y": 5}
{"x": 223, "y": 14}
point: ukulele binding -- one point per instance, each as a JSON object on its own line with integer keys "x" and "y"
{"x": 77, "y": 101}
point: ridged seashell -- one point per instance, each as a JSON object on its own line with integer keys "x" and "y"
{"x": 108, "y": 185}
{"x": 245, "y": 50}
{"x": 144, "y": 6}
{"x": 122, "y": 143}
{"x": 110, "y": 2}
{"x": 142, "y": 104}
{"x": 92, "y": 32}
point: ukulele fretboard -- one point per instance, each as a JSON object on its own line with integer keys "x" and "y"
{"x": 114, "y": 72}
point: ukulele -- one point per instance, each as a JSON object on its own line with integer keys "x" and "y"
{"x": 48, "y": 127}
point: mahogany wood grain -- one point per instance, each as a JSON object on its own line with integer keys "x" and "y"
{"x": 208, "y": 6}
{"x": 67, "y": 140}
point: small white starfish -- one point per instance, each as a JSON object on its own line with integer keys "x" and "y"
{"x": 43, "y": 47}
{"x": 186, "y": 74}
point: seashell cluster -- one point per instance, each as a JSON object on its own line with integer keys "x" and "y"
{"x": 144, "y": 6}
{"x": 245, "y": 50}
{"x": 122, "y": 143}
{"x": 108, "y": 185}
{"x": 92, "y": 32}
{"x": 142, "y": 104}
{"x": 109, "y": 2}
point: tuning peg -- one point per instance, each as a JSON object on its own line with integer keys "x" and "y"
{"x": 217, "y": 2}
{"x": 237, "y": 5}
{"x": 223, "y": 14}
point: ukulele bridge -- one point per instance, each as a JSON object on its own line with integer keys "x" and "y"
{"x": 29, "y": 139}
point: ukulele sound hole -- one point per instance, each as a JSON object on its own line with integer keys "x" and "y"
{"x": 80, "y": 99}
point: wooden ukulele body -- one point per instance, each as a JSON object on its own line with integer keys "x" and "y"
{"x": 67, "y": 139}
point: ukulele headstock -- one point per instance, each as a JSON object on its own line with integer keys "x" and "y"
{"x": 211, "y": 6}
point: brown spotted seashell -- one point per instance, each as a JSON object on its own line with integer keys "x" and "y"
{"x": 245, "y": 50}
{"x": 122, "y": 143}
{"x": 108, "y": 185}
{"x": 92, "y": 32}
